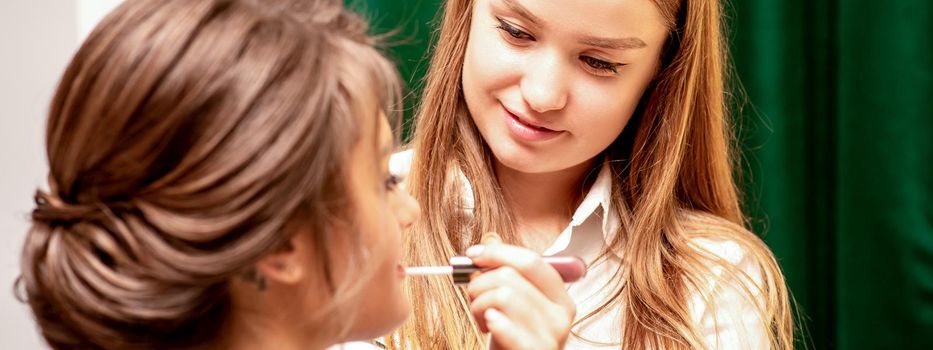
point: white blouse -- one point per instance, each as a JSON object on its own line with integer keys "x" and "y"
{"x": 734, "y": 325}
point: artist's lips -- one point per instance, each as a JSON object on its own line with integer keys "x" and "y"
{"x": 525, "y": 129}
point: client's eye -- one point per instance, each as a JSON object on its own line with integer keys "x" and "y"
{"x": 392, "y": 182}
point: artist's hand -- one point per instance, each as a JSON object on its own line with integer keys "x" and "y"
{"x": 519, "y": 299}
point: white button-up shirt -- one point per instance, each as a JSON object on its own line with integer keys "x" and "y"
{"x": 733, "y": 323}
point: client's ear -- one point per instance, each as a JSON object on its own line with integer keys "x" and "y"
{"x": 289, "y": 264}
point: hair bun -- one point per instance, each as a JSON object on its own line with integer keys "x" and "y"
{"x": 51, "y": 209}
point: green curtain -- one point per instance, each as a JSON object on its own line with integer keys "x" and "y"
{"x": 411, "y": 26}
{"x": 836, "y": 124}
{"x": 839, "y": 175}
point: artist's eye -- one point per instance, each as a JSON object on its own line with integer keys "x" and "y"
{"x": 513, "y": 31}
{"x": 600, "y": 67}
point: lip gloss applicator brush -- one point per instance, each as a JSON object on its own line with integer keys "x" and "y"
{"x": 570, "y": 268}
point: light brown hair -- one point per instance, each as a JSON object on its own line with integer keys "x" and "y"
{"x": 183, "y": 139}
{"x": 672, "y": 182}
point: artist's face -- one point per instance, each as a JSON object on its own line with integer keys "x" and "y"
{"x": 551, "y": 84}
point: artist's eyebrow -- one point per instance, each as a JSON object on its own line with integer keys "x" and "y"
{"x": 522, "y": 11}
{"x": 613, "y": 43}
{"x": 606, "y": 43}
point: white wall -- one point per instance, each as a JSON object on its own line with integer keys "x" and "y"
{"x": 37, "y": 39}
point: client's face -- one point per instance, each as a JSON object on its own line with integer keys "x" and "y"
{"x": 382, "y": 212}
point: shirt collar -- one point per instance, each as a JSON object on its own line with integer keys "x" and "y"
{"x": 598, "y": 201}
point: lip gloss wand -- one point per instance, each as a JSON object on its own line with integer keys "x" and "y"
{"x": 570, "y": 268}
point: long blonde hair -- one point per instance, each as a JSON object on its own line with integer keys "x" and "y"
{"x": 183, "y": 139}
{"x": 672, "y": 182}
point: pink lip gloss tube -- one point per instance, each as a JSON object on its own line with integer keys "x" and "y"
{"x": 570, "y": 268}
